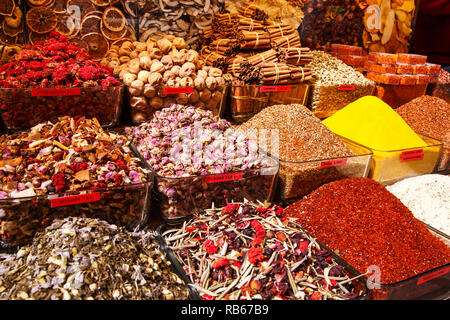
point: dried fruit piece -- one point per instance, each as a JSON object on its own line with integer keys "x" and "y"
{"x": 15, "y": 20}
{"x": 90, "y": 24}
{"x": 80, "y": 43}
{"x": 112, "y": 35}
{"x": 104, "y": 3}
{"x": 114, "y": 19}
{"x": 85, "y": 6}
{"x": 7, "y": 7}
{"x": 121, "y": 41}
{"x": 12, "y": 32}
{"x": 5, "y": 39}
{"x": 41, "y": 20}
{"x": 388, "y": 27}
{"x": 98, "y": 45}
{"x": 67, "y": 26}
{"x": 60, "y": 6}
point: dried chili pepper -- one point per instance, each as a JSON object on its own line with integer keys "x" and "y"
{"x": 210, "y": 247}
{"x": 59, "y": 182}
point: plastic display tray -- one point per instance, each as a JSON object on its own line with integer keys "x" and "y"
{"x": 297, "y": 179}
{"x": 23, "y": 108}
{"x": 359, "y": 283}
{"x": 126, "y": 205}
{"x": 247, "y": 100}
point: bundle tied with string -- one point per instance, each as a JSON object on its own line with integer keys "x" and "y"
{"x": 223, "y": 24}
{"x": 253, "y": 40}
{"x": 295, "y": 56}
{"x": 249, "y": 24}
{"x": 288, "y": 41}
{"x": 234, "y": 65}
{"x": 251, "y": 10}
{"x": 282, "y": 73}
{"x": 214, "y": 59}
{"x": 225, "y": 47}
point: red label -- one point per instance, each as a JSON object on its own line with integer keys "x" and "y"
{"x": 55, "y": 92}
{"x": 224, "y": 177}
{"x": 178, "y": 90}
{"x": 433, "y": 275}
{"x": 346, "y": 87}
{"x": 274, "y": 88}
{"x": 68, "y": 201}
{"x": 333, "y": 163}
{"x": 412, "y": 155}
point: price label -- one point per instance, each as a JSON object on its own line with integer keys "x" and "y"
{"x": 55, "y": 92}
{"x": 178, "y": 90}
{"x": 433, "y": 275}
{"x": 71, "y": 200}
{"x": 224, "y": 177}
{"x": 346, "y": 87}
{"x": 412, "y": 155}
{"x": 274, "y": 88}
{"x": 333, "y": 163}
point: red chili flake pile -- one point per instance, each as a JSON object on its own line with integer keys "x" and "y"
{"x": 54, "y": 63}
{"x": 367, "y": 225}
{"x": 428, "y": 116}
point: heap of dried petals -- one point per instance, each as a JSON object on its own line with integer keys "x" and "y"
{"x": 55, "y": 63}
{"x": 284, "y": 262}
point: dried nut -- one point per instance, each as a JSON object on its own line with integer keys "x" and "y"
{"x": 169, "y": 37}
{"x": 168, "y": 75}
{"x": 150, "y": 46}
{"x": 149, "y": 91}
{"x": 200, "y": 83}
{"x": 179, "y": 43}
{"x": 122, "y": 72}
{"x": 145, "y": 62}
{"x": 139, "y": 103}
{"x": 156, "y": 53}
{"x": 157, "y": 67}
{"x": 165, "y": 45}
{"x": 192, "y": 56}
{"x": 129, "y": 78}
{"x": 124, "y": 59}
{"x": 144, "y": 54}
{"x": 202, "y": 74}
{"x": 134, "y": 66}
{"x": 178, "y": 57}
{"x": 134, "y": 54}
{"x": 136, "y": 87}
{"x": 167, "y": 62}
{"x": 205, "y": 95}
{"x": 187, "y": 69}
{"x": 182, "y": 98}
{"x": 140, "y": 46}
{"x": 143, "y": 75}
{"x": 156, "y": 103}
{"x": 176, "y": 70}
{"x": 215, "y": 72}
{"x": 186, "y": 82}
{"x": 113, "y": 64}
{"x": 194, "y": 96}
{"x": 154, "y": 78}
{"x": 211, "y": 83}
{"x": 125, "y": 51}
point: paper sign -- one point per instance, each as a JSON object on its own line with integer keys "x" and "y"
{"x": 433, "y": 275}
{"x": 274, "y": 88}
{"x": 178, "y": 90}
{"x": 412, "y": 155}
{"x": 333, "y": 163}
{"x": 71, "y": 200}
{"x": 346, "y": 87}
{"x": 224, "y": 177}
{"x": 55, "y": 92}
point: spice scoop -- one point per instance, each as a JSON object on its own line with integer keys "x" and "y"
{"x": 247, "y": 251}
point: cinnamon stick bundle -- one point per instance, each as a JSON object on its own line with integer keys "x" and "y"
{"x": 251, "y": 10}
{"x": 261, "y": 58}
{"x": 224, "y": 24}
{"x": 253, "y": 40}
{"x": 299, "y": 74}
{"x": 225, "y": 47}
{"x": 249, "y": 24}
{"x": 277, "y": 30}
{"x": 296, "y": 56}
{"x": 274, "y": 73}
{"x": 211, "y": 58}
{"x": 289, "y": 41}
{"x": 234, "y": 65}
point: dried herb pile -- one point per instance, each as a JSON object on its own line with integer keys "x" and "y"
{"x": 89, "y": 259}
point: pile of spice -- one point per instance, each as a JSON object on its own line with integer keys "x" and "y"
{"x": 427, "y": 197}
{"x": 337, "y": 84}
{"x": 89, "y": 259}
{"x": 367, "y": 225}
{"x": 374, "y": 124}
{"x": 301, "y": 138}
{"x": 184, "y": 145}
{"x": 163, "y": 72}
{"x": 246, "y": 251}
{"x": 442, "y": 87}
{"x": 430, "y": 116}
{"x": 74, "y": 155}
{"x": 57, "y": 78}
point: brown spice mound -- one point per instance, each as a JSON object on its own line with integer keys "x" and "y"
{"x": 367, "y": 225}
{"x": 302, "y": 136}
{"x": 429, "y": 116}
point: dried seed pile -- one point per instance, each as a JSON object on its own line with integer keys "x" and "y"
{"x": 331, "y": 74}
{"x": 427, "y": 197}
{"x": 89, "y": 259}
{"x": 302, "y": 137}
{"x": 367, "y": 225}
{"x": 245, "y": 251}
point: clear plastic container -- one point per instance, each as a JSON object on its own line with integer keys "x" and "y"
{"x": 142, "y": 109}
{"x": 126, "y": 205}
{"x": 390, "y": 166}
{"x": 398, "y": 95}
{"x": 23, "y": 108}
{"x": 178, "y": 198}
{"x": 297, "y": 179}
{"x": 247, "y": 100}
{"x": 326, "y": 100}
